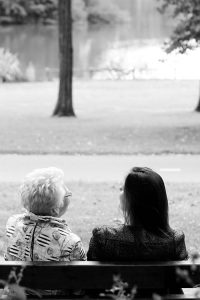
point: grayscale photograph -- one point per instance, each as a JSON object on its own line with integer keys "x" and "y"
{"x": 99, "y": 149}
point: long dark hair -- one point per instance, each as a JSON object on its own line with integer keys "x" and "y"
{"x": 146, "y": 203}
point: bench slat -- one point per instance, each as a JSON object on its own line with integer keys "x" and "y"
{"x": 168, "y": 297}
{"x": 94, "y": 275}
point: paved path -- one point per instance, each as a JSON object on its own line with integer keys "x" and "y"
{"x": 173, "y": 168}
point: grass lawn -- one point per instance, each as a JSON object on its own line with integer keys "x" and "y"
{"x": 112, "y": 117}
{"x": 97, "y": 203}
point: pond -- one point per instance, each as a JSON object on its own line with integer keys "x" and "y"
{"x": 128, "y": 51}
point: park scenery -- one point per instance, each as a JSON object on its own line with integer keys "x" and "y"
{"x": 127, "y": 95}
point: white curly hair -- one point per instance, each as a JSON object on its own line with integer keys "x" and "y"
{"x": 39, "y": 190}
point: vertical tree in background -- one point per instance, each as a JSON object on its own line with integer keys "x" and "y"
{"x": 64, "y": 106}
{"x": 186, "y": 34}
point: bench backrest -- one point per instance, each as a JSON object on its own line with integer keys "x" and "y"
{"x": 96, "y": 275}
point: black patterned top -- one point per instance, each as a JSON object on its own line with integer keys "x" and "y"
{"x": 124, "y": 243}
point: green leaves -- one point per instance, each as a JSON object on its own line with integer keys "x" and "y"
{"x": 186, "y": 34}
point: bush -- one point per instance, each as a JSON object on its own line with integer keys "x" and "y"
{"x": 26, "y": 10}
{"x": 7, "y": 20}
{"x": 13, "y": 9}
{"x": 78, "y": 11}
{"x": 9, "y": 66}
{"x": 95, "y": 11}
{"x": 18, "y": 13}
{"x": 104, "y": 11}
{"x": 43, "y": 9}
{"x": 37, "y": 11}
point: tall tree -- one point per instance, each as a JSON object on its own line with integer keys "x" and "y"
{"x": 64, "y": 106}
{"x": 186, "y": 34}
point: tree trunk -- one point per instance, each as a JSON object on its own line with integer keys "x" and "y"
{"x": 198, "y": 105}
{"x": 64, "y": 106}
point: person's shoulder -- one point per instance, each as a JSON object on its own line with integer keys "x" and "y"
{"x": 181, "y": 251}
{"x": 107, "y": 231}
{"x": 178, "y": 235}
{"x": 74, "y": 238}
{"x": 64, "y": 232}
{"x": 12, "y": 220}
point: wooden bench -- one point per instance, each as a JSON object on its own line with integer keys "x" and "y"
{"x": 96, "y": 276}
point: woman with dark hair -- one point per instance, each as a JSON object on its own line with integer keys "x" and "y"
{"x": 146, "y": 234}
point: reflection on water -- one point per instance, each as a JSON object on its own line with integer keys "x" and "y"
{"x": 133, "y": 50}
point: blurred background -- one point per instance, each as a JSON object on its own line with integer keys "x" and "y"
{"x": 112, "y": 40}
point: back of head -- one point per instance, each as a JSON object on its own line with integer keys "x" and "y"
{"x": 146, "y": 200}
{"x": 39, "y": 190}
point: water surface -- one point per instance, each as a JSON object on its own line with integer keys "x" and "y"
{"x": 132, "y": 50}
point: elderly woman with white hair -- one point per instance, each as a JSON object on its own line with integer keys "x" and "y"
{"x": 40, "y": 234}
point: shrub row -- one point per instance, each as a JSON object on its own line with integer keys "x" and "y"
{"x": 45, "y": 11}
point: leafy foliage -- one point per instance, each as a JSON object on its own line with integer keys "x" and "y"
{"x": 22, "y": 11}
{"x": 46, "y": 9}
{"x": 9, "y": 66}
{"x": 79, "y": 12}
{"x": 105, "y": 12}
{"x": 186, "y": 34}
{"x": 120, "y": 290}
{"x": 14, "y": 10}
{"x": 12, "y": 288}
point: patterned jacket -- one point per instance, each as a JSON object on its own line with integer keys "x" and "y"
{"x": 41, "y": 238}
{"x": 123, "y": 243}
